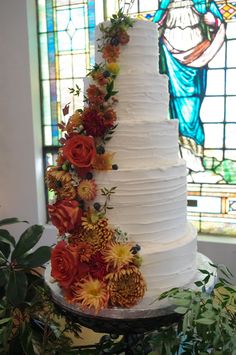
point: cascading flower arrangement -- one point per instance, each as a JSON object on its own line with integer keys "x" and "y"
{"x": 93, "y": 262}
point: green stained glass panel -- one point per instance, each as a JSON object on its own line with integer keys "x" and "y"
{"x": 212, "y": 109}
{"x": 214, "y": 134}
{"x": 215, "y": 82}
{"x": 230, "y": 134}
{"x": 231, "y": 109}
{"x": 231, "y": 48}
{"x": 231, "y": 82}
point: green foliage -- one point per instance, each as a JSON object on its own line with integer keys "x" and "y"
{"x": 29, "y": 321}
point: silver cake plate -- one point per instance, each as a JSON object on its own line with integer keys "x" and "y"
{"x": 145, "y": 309}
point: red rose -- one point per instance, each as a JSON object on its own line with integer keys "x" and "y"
{"x": 80, "y": 151}
{"x": 63, "y": 264}
{"x": 65, "y": 215}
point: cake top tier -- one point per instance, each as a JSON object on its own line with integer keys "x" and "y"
{"x": 141, "y": 54}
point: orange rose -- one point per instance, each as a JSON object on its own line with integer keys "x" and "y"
{"x": 65, "y": 215}
{"x": 63, "y": 264}
{"x": 80, "y": 151}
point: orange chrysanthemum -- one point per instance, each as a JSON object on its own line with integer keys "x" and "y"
{"x": 98, "y": 234}
{"x": 95, "y": 95}
{"x": 103, "y": 161}
{"x": 126, "y": 287}
{"x": 67, "y": 191}
{"x": 110, "y": 53}
{"x": 109, "y": 117}
{"x": 118, "y": 255}
{"x": 56, "y": 178}
{"x": 74, "y": 122}
{"x": 91, "y": 293}
{"x": 82, "y": 250}
{"x": 87, "y": 190}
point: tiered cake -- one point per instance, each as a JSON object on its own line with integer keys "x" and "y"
{"x": 150, "y": 199}
{"x": 121, "y": 149}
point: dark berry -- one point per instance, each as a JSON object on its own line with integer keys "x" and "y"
{"x": 58, "y": 184}
{"x": 100, "y": 149}
{"x": 97, "y": 206}
{"x": 106, "y": 74}
{"x": 89, "y": 176}
{"x": 134, "y": 250}
{"x": 115, "y": 41}
{"x": 138, "y": 247}
{"x": 114, "y": 167}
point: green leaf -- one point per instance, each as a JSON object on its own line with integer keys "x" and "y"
{"x": 6, "y": 237}
{"x": 4, "y": 277}
{"x": 199, "y": 283}
{"x": 181, "y": 310}
{"x": 204, "y": 271}
{"x": 205, "y": 321}
{"x": 17, "y": 287}
{"x": 10, "y": 221}
{"x": 27, "y": 241}
{"x": 37, "y": 258}
{"x": 5, "y": 320}
{"x": 5, "y": 251}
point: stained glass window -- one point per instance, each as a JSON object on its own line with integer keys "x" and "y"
{"x": 66, "y": 36}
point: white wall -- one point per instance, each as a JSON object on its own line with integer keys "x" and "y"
{"x": 21, "y": 175}
{"x": 21, "y": 182}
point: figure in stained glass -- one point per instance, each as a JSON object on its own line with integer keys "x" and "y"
{"x": 191, "y": 33}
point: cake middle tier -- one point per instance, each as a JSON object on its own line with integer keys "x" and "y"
{"x": 144, "y": 144}
{"x": 142, "y": 97}
{"x": 148, "y": 204}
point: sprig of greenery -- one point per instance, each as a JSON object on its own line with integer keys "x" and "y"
{"x": 75, "y": 91}
{"x": 107, "y": 193}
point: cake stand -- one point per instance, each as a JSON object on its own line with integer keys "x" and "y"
{"x": 131, "y": 323}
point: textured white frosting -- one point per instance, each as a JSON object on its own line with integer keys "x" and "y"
{"x": 150, "y": 200}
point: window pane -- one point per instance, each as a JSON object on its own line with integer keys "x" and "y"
{"x": 212, "y": 109}
{"x": 215, "y": 82}
{"x": 231, "y": 82}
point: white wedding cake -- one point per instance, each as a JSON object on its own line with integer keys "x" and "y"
{"x": 119, "y": 184}
{"x": 150, "y": 202}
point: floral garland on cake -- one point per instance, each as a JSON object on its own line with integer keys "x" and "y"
{"x": 94, "y": 263}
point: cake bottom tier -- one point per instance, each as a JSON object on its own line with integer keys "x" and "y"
{"x": 170, "y": 265}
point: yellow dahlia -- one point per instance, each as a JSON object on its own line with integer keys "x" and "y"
{"x": 126, "y": 287}
{"x": 118, "y": 255}
{"x": 87, "y": 190}
{"x": 91, "y": 293}
{"x": 114, "y": 68}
